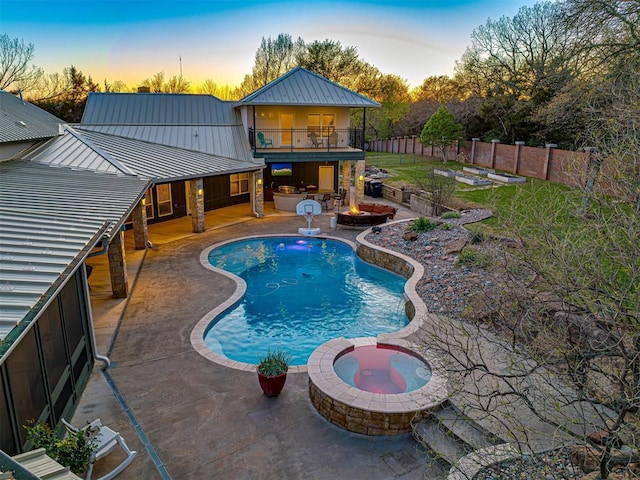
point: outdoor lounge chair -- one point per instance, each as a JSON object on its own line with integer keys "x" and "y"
{"x": 315, "y": 142}
{"x": 326, "y": 198}
{"x": 264, "y": 143}
{"x": 333, "y": 140}
{"x": 106, "y": 441}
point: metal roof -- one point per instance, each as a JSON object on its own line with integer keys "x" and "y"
{"x": 157, "y": 109}
{"x": 74, "y": 151}
{"x": 49, "y": 216}
{"x": 20, "y": 121}
{"x": 162, "y": 163}
{"x": 36, "y": 249}
{"x": 202, "y": 123}
{"x": 303, "y": 87}
{"x": 222, "y": 141}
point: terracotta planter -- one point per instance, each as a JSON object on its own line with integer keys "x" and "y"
{"x": 272, "y": 386}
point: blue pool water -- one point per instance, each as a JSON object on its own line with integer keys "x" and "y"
{"x": 302, "y": 292}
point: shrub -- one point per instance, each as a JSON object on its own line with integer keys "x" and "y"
{"x": 477, "y": 236}
{"x": 422, "y": 224}
{"x": 73, "y": 451}
{"x": 446, "y": 226}
{"x": 274, "y": 363}
{"x": 470, "y": 256}
{"x": 450, "y": 215}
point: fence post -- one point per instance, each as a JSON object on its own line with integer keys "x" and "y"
{"x": 494, "y": 142}
{"x": 516, "y": 161}
{"x": 474, "y": 142}
{"x": 547, "y": 159}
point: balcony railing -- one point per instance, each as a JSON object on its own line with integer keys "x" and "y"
{"x": 296, "y": 139}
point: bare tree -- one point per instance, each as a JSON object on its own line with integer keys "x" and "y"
{"x": 16, "y": 70}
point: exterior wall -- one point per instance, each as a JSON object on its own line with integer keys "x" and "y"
{"x": 43, "y": 377}
{"x": 303, "y": 174}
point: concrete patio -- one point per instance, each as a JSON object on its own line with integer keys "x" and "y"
{"x": 189, "y": 418}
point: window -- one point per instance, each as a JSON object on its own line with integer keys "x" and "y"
{"x": 323, "y": 125}
{"x": 163, "y": 194}
{"x": 148, "y": 205}
{"x": 239, "y": 183}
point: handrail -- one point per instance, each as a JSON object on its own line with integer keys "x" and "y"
{"x": 328, "y": 139}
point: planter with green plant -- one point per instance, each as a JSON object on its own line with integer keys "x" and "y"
{"x": 272, "y": 372}
{"x": 73, "y": 451}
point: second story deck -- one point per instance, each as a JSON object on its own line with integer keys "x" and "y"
{"x": 307, "y": 144}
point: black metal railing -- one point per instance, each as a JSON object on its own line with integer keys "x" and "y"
{"x": 326, "y": 139}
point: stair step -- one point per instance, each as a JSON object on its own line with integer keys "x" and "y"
{"x": 442, "y": 443}
{"x": 466, "y": 430}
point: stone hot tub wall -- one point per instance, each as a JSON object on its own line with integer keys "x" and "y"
{"x": 369, "y": 413}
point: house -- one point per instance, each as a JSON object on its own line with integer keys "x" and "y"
{"x": 301, "y": 125}
{"x": 52, "y": 217}
{"x": 68, "y": 192}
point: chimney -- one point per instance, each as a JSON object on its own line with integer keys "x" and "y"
{"x": 144, "y": 90}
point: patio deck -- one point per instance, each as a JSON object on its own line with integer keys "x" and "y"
{"x": 192, "y": 419}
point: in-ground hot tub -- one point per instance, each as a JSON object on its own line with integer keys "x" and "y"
{"x": 383, "y": 389}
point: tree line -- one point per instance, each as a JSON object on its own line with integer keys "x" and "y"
{"x": 539, "y": 76}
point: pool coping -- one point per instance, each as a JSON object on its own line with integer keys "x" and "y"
{"x": 197, "y": 334}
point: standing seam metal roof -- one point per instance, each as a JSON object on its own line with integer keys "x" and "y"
{"x": 20, "y": 121}
{"x": 303, "y": 87}
{"x": 47, "y": 216}
{"x": 162, "y": 163}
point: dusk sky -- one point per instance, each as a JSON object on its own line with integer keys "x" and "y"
{"x": 131, "y": 40}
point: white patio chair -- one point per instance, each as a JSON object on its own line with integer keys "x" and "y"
{"x": 106, "y": 440}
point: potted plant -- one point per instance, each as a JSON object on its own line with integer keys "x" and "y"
{"x": 272, "y": 372}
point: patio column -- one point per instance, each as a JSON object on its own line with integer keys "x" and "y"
{"x": 257, "y": 199}
{"x": 140, "y": 230}
{"x": 196, "y": 205}
{"x": 346, "y": 181}
{"x": 118, "y": 266}
{"x": 359, "y": 182}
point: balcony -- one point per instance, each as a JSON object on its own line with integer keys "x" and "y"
{"x": 269, "y": 141}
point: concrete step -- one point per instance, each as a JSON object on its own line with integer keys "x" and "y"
{"x": 442, "y": 443}
{"x": 464, "y": 429}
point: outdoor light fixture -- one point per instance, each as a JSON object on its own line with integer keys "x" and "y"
{"x": 200, "y": 192}
{"x": 259, "y": 182}
{"x": 144, "y": 201}
{"x": 361, "y": 178}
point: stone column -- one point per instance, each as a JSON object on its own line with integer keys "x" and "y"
{"x": 346, "y": 181}
{"x": 257, "y": 199}
{"x": 359, "y": 190}
{"x": 547, "y": 159}
{"x": 196, "y": 205}
{"x": 140, "y": 230}
{"x": 494, "y": 143}
{"x": 516, "y": 160}
{"x": 118, "y": 266}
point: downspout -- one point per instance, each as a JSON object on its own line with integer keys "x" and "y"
{"x": 85, "y": 288}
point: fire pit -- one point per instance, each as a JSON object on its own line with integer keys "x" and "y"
{"x": 361, "y": 219}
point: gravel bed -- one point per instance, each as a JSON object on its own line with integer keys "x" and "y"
{"x": 447, "y": 288}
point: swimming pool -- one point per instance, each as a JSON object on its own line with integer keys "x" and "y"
{"x": 301, "y": 292}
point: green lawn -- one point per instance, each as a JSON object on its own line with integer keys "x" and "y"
{"x": 503, "y": 200}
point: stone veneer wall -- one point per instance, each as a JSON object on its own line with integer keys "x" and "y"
{"x": 385, "y": 260}
{"x": 362, "y": 421}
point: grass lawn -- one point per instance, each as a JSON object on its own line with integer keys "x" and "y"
{"x": 501, "y": 199}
